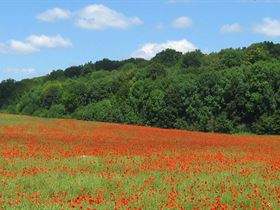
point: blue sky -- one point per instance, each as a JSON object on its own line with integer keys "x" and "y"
{"x": 36, "y": 38}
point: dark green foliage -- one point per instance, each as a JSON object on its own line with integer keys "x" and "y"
{"x": 7, "y": 88}
{"x": 73, "y": 71}
{"x": 256, "y": 52}
{"x": 103, "y": 111}
{"x": 29, "y": 102}
{"x": 154, "y": 107}
{"x": 234, "y": 90}
{"x": 267, "y": 124}
{"x": 231, "y": 57}
{"x": 273, "y": 49}
{"x": 56, "y": 111}
{"x": 192, "y": 59}
{"x": 167, "y": 57}
{"x": 223, "y": 124}
{"x": 88, "y": 68}
{"x": 156, "y": 71}
{"x": 51, "y": 94}
{"x": 75, "y": 94}
{"x": 100, "y": 111}
{"x": 107, "y": 65}
{"x": 56, "y": 75}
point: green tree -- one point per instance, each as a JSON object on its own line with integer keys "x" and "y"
{"x": 75, "y": 94}
{"x": 51, "y": 94}
{"x": 260, "y": 96}
{"x": 100, "y": 111}
{"x": 254, "y": 53}
{"x": 56, "y": 111}
{"x": 56, "y": 75}
{"x": 29, "y": 102}
{"x": 73, "y": 71}
{"x": 192, "y": 59}
{"x": 235, "y": 90}
{"x": 7, "y": 91}
{"x": 153, "y": 107}
{"x": 156, "y": 71}
{"x": 168, "y": 57}
{"x": 231, "y": 57}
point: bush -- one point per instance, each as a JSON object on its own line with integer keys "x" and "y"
{"x": 223, "y": 124}
{"x": 56, "y": 111}
{"x": 156, "y": 71}
{"x": 267, "y": 124}
{"x": 41, "y": 112}
{"x": 100, "y": 111}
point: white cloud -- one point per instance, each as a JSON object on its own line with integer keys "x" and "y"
{"x": 53, "y": 15}
{"x": 21, "y": 47}
{"x": 23, "y": 71}
{"x": 229, "y": 28}
{"x": 49, "y": 42}
{"x": 34, "y": 43}
{"x": 94, "y": 17}
{"x": 149, "y": 50}
{"x": 98, "y": 17}
{"x": 269, "y": 27}
{"x": 182, "y": 22}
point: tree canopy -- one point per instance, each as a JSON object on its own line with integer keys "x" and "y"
{"x": 231, "y": 91}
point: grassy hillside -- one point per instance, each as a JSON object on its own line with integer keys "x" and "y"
{"x": 231, "y": 91}
{"x": 63, "y": 164}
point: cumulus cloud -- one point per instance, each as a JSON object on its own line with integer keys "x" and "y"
{"x": 230, "y": 28}
{"x": 98, "y": 17}
{"x": 149, "y": 50}
{"x": 22, "y": 47}
{"x": 93, "y": 17}
{"x": 17, "y": 47}
{"x": 44, "y": 41}
{"x": 53, "y": 15}
{"x": 34, "y": 43}
{"x": 269, "y": 27}
{"x": 21, "y": 71}
{"x": 182, "y": 22}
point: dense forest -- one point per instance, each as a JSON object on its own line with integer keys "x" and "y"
{"x": 231, "y": 91}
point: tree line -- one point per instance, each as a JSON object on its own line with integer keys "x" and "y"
{"x": 230, "y": 91}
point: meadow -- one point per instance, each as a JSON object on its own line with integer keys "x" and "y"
{"x": 64, "y": 164}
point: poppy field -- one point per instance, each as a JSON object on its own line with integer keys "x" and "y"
{"x": 71, "y": 164}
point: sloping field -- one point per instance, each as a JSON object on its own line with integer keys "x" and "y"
{"x": 63, "y": 164}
